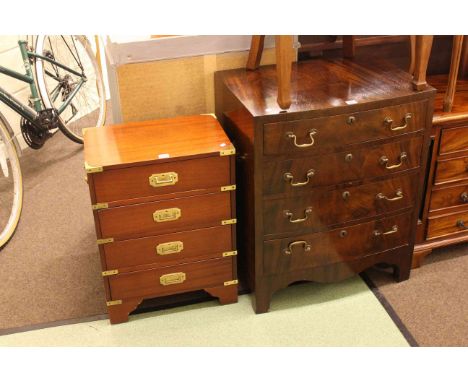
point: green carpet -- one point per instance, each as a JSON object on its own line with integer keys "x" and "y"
{"x": 309, "y": 314}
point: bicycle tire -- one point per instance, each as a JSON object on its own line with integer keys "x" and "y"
{"x": 7, "y": 231}
{"x": 47, "y": 99}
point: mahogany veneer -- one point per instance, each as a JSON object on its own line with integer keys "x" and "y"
{"x": 164, "y": 207}
{"x": 444, "y": 217}
{"x": 331, "y": 186}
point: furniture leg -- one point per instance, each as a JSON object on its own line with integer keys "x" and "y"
{"x": 402, "y": 269}
{"x": 412, "y": 54}
{"x": 419, "y": 256}
{"x": 262, "y": 299}
{"x": 283, "y": 70}
{"x": 119, "y": 313}
{"x": 423, "y": 51}
{"x": 349, "y": 46}
{"x": 453, "y": 74}
{"x": 225, "y": 294}
{"x": 255, "y": 53}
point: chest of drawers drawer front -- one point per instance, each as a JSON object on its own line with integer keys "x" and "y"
{"x": 323, "y": 170}
{"x": 170, "y": 249}
{"x": 453, "y": 140}
{"x": 339, "y": 245}
{"x": 319, "y": 209}
{"x": 170, "y": 280}
{"x": 452, "y": 170}
{"x": 163, "y": 178}
{"x": 449, "y": 197}
{"x": 328, "y": 134}
{"x": 174, "y": 215}
{"x": 448, "y": 225}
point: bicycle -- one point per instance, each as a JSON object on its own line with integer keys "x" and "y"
{"x": 66, "y": 94}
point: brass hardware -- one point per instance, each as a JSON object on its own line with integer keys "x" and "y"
{"x": 289, "y": 215}
{"x": 169, "y": 248}
{"x": 464, "y": 197}
{"x": 388, "y": 121}
{"x": 349, "y": 157}
{"x": 288, "y": 251}
{"x": 230, "y": 221}
{"x": 105, "y": 241}
{"x": 232, "y": 282}
{"x": 230, "y": 253}
{"x": 111, "y": 272}
{"x": 167, "y": 215}
{"x": 230, "y": 151}
{"x": 99, "y": 206}
{"x": 346, "y": 195}
{"x": 461, "y": 224}
{"x": 393, "y": 230}
{"x": 291, "y": 135}
{"x": 351, "y": 120}
{"x": 289, "y": 178}
{"x": 92, "y": 169}
{"x": 163, "y": 179}
{"x": 384, "y": 161}
{"x": 228, "y": 188}
{"x": 343, "y": 233}
{"x": 399, "y": 195}
{"x": 172, "y": 278}
{"x": 115, "y": 302}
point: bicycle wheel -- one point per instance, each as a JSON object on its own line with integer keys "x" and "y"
{"x": 87, "y": 108}
{"x": 11, "y": 185}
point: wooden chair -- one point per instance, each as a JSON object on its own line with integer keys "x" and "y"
{"x": 454, "y": 66}
{"x": 421, "y": 49}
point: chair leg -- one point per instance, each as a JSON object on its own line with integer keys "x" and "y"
{"x": 284, "y": 46}
{"x": 453, "y": 74}
{"x": 255, "y": 53}
{"x": 349, "y": 47}
{"x": 412, "y": 54}
{"x": 423, "y": 51}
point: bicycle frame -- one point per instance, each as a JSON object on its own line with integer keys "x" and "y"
{"x": 24, "y": 110}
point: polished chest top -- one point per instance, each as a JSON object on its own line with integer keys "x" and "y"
{"x": 163, "y": 199}
{"x": 332, "y": 186}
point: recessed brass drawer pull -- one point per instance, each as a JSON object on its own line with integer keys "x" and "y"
{"x": 288, "y": 251}
{"x": 172, "y": 278}
{"x": 393, "y": 230}
{"x": 464, "y": 197}
{"x": 290, "y": 178}
{"x": 388, "y": 121}
{"x": 289, "y": 215}
{"x": 461, "y": 224}
{"x": 163, "y": 179}
{"x": 167, "y": 215}
{"x": 291, "y": 135}
{"x": 399, "y": 195}
{"x": 384, "y": 161}
{"x": 169, "y": 248}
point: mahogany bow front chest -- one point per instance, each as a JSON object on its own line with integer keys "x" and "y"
{"x": 163, "y": 199}
{"x": 331, "y": 186}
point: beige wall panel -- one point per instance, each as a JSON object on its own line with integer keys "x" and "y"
{"x": 12, "y": 60}
{"x": 8, "y": 42}
{"x": 169, "y": 88}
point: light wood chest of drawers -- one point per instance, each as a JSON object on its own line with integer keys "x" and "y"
{"x": 331, "y": 186}
{"x": 163, "y": 198}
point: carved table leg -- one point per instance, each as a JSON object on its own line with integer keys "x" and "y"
{"x": 422, "y": 51}
{"x": 284, "y": 45}
{"x": 225, "y": 294}
{"x": 453, "y": 74}
{"x": 255, "y": 53}
{"x": 419, "y": 256}
{"x": 119, "y": 313}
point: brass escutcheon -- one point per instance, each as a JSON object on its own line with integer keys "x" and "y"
{"x": 163, "y": 179}
{"x": 166, "y": 215}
